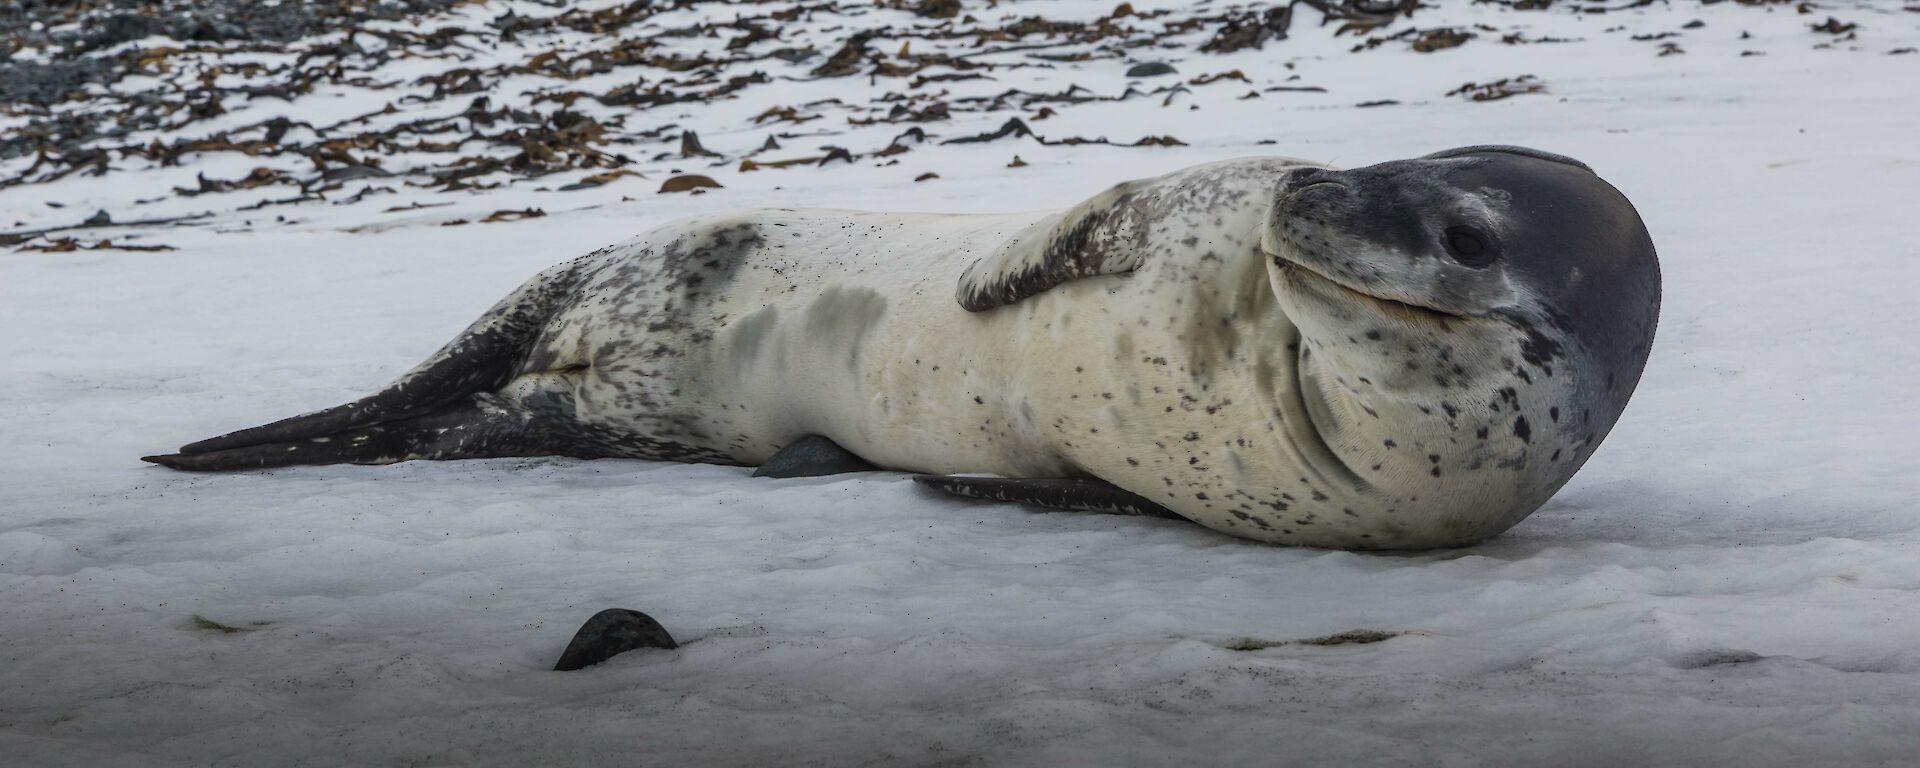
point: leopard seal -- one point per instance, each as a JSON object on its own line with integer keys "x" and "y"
{"x": 1406, "y": 355}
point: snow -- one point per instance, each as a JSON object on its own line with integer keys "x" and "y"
{"x": 1735, "y": 576}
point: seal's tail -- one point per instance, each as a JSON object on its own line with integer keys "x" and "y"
{"x": 429, "y": 412}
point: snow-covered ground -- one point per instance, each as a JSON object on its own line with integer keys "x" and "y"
{"x": 1733, "y": 579}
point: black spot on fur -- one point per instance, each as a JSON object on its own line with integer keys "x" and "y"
{"x": 1535, "y": 348}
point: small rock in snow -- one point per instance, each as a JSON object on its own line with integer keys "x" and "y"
{"x": 609, "y": 633}
{"x": 1151, "y": 69}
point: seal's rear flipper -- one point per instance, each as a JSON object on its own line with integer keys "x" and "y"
{"x": 1070, "y": 494}
{"x": 484, "y": 358}
{"x": 482, "y": 427}
{"x": 813, "y": 456}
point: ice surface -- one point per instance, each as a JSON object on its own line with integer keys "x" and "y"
{"x": 1733, "y": 578}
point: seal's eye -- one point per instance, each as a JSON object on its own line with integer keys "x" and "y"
{"x": 1471, "y": 246}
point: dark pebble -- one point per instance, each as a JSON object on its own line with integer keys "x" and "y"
{"x": 1151, "y": 69}
{"x": 610, "y": 633}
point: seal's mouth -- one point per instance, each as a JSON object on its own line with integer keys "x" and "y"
{"x": 1314, "y": 280}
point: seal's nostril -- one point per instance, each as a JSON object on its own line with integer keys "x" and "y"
{"x": 1299, "y": 176}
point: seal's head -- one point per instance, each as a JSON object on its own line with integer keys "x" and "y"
{"x": 1504, "y": 297}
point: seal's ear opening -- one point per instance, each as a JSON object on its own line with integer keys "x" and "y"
{"x": 1508, "y": 149}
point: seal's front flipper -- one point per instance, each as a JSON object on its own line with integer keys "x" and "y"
{"x": 812, "y": 456}
{"x": 1065, "y": 493}
{"x": 1097, "y": 237}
